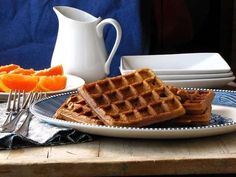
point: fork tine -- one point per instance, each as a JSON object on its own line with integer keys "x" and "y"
{"x": 9, "y": 102}
{"x": 24, "y": 128}
{"x": 27, "y": 99}
{"x": 14, "y": 101}
{"x": 39, "y": 96}
{"x": 18, "y": 101}
{"x": 33, "y": 98}
{"x": 12, "y": 108}
{"x": 24, "y": 96}
{"x": 12, "y": 123}
{"x": 44, "y": 95}
{"x": 8, "y": 110}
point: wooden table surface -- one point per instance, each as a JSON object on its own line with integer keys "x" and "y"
{"x": 124, "y": 157}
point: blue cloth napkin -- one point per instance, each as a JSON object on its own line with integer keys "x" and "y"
{"x": 40, "y": 134}
{"x": 28, "y": 29}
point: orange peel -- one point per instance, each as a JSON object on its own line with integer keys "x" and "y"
{"x": 55, "y": 70}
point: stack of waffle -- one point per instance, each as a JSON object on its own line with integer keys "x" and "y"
{"x": 197, "y": 104}
{"x": 137, "y": 99}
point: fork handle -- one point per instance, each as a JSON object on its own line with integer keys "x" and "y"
{"x": 11, "y": 126}
{"x": 24, "y": 128}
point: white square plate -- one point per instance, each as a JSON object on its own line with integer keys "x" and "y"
{"x": 194, "y": 76}
{"x": 201, "y": 83}
{"x": 189, "y": 63}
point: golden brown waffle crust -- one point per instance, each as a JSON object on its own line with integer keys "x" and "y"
{"x": 75, "y": 109}
{"x": 197, "y": 104}
{"x": 194, "y": 101}
{"x": 193, "y": 120}
{"x": 136, "y": 99}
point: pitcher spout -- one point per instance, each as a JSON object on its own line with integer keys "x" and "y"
{"x": 74, "y": 14}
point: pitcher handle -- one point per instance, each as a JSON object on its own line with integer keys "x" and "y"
{"x": 100, "y": 27}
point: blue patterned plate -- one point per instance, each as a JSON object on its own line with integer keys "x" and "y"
{"x": 222, "y": 121}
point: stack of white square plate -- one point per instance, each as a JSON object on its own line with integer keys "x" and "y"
{"x": 199, "y": 70}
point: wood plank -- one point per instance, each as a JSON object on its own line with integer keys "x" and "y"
{"x": 27, "y": 154}
{"x": 229, "y": 143}
{"x": 128, "y": 168}
{"x": 161, "y": 148}
{"x": 75, "y": 151}
{"x": 127, "y": 149}
{"x": 4, "y": 154}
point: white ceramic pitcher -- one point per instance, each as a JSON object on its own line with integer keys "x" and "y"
{"x": 80, "y": 45}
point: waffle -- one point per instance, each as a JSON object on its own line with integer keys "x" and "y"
{"x": 192, "y": 120}
{"x": 136, "y": 99}
{"x": 197, "y": 104}
{"x": 194, "y": 101}
{"x": 75, "y": 109}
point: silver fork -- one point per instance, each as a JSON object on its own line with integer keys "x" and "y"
{"x": 13, "y": 104}
{"x": 24, "y": 128}
{"x": 10, "y": 126}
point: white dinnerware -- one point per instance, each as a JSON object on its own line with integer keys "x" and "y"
{"x": 200, "y": 70}
{"x": 194, "y": 76}
{"x": 201, "y": 83}
{"x": 189, "y": 63}
{"x": 80, "y": 45}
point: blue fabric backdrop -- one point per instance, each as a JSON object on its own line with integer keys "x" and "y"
{"x": 28, "y": 29}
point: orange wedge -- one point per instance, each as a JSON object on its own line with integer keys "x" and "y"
{"x": 55, "y": 70}
{"x": 22, "y": 71}
{"x": 51, "y": 83}
{"x": 8, "y": 68}
{"x": 18, "y": 82}
{"x": 3, "y": 72}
